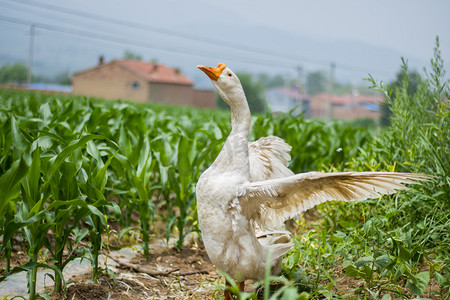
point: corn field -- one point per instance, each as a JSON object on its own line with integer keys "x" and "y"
{"x": 70, "y": 164}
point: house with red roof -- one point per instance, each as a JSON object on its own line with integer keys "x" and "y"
{"x": 141, "y": 82}
{"x": 349, "y": 106}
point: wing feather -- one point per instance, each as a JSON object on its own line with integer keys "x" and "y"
{"x": 269, "y": 158}
{"x": 271, "y": 202}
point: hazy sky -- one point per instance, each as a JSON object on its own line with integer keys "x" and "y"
{"x": 408, "y": 27}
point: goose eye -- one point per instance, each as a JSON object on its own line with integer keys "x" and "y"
{"x": 229, "y": 74}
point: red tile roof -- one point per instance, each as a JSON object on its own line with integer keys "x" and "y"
{"x": 348, "y": 99}
{"x": 154, "y": 72}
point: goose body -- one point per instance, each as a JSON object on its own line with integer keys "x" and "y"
{"x": 248, "y": 192}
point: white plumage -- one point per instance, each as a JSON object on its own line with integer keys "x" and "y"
{"x": 249, "y": 185}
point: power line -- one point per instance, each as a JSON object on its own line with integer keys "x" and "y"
{"x": 272, "y": 63}
{"x": 267, "y": 62}
{"x": 126, "y": 41}
{"x": 145, "y": 27}
{"x": 186, "y": 36}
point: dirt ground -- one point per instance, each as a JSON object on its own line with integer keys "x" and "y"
{"x": 129, "y": 284}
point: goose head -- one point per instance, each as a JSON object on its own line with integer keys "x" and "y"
{"x": 226, "y": 83}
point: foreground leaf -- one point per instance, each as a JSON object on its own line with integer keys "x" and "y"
{"x": 419, "y": 283}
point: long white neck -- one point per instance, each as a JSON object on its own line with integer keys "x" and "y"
{"x": 234, "y": 154}
{"x": 241, "y": 119}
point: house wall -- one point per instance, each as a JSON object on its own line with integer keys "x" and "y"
{"x": 341, "y": 112}
{"x": 110, "y": 81}
{"x": 319, "y": 106}
{"x": 168, "y": 93}
{"x": 204, "y": 98}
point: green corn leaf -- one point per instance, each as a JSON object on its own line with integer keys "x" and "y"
{"x": 101, "y": 178}
{"x": 68, "y": 185}
{"x": 124, "y": 231}
{"x": 58, "y": 203}
{"x": 29, "y": 266}
{"x": 80, "y": 235}
{"x": 45, "y": 113}
{"x": 91, "y": 191}
{"x": 46, "y": 138}
{"x": 67, "y": 152}
{"x": 144, "y": 168}
{"x": 169, "y": 225}
{"x": 142, "y": 190}
{"x": 162, "y": 149}
{"x": 19, "y": 142}
{"x": 39, "y": 237}
{"x": 99, "y": 214}
{"x": 124, "y": 141}
{"x": 135, "y": 153}
{"x": 10, "y": 182}
{"x": 92, "y": 149}
{"x": 184, "y": 163}
{"x": 31, "y": 192}
{"x": 13, "y": 227}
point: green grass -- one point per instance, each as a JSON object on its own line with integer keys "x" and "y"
{"x": 394, "y": 246}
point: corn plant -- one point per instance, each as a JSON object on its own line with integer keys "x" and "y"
{"x": 50, "y": 197}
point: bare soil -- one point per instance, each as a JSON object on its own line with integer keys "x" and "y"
{"x": 128, "y": 284}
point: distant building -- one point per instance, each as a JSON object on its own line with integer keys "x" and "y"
{"x": 49, "y": 87}
{"x": 141, "y": 82}
{"x": 347, "y": 107}
{"x": 281, "y": 99}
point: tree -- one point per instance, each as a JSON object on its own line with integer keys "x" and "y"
{"x": 63, "y": 78}
{"x": 278, "y": 80}
{"x": 316, "y": 82}
{"x": 132, "y": 55}
{"x": 254, "y": 91}
{"x": 16, "y": 73}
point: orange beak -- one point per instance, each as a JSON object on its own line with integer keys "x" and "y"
{"x": 213, "y": 73}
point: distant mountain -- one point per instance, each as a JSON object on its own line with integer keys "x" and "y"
{"x": 354, "y": 60}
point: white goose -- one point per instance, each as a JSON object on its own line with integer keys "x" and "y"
{"x": 249, "y": 185}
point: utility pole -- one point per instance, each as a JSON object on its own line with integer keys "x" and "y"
{"x": 299, "y": 102}
{"x": 30, "y": 54}
{"x": 329, "y": 114}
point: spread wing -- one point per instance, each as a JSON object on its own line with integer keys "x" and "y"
{"x": 271, "y": 202}
{"x": 269, "y": 158}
